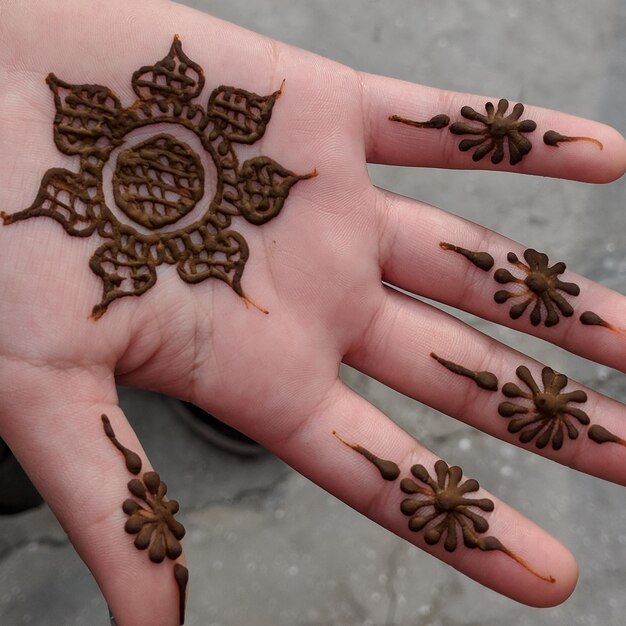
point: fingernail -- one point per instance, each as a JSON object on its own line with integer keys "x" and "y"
{"x": 111, "y": 617}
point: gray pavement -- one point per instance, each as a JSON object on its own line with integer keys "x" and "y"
{"x": 266, "y": 547}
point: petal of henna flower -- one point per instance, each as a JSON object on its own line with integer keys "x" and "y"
{"x": 87, "y": 118}
{"x": 124, "y": 272}
{"x": 239, "y": 115}
{"x": 220, "y": 255}
{"x": 264, "y": 186}
{"x": 72, "y": 199}
{"x": 175, "y": 77}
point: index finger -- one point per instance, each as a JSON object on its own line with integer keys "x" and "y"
{"x": 407, "y": 124}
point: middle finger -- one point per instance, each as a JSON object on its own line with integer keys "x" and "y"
{"x": 425, "y": 251}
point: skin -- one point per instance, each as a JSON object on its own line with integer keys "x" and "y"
{"x": 316, "y": 268}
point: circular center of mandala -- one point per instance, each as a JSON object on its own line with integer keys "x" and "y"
{"x": 158, "y": 181}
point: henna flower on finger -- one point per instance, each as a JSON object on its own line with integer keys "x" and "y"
{"x": 442, "y": 505}
{"x": 445, "y": 502}
{"x": 547, "y": 415}
{"x": 154, "y": 525}
{"x": 495, "y": 130}
{"x": 151, "y": 517}
{"x": 539, "y": 284}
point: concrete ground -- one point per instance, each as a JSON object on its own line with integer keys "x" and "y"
{"x": 268, "y": 548}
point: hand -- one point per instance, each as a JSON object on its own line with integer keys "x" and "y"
{"x": 316, "y": 268}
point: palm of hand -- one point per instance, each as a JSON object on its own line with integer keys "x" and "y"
{"x": 310, "y": 319}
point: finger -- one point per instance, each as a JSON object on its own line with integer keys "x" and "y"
{"x": 56, "y": 432}
{"x": 524, "y": 571}
{"x": 444, "y": 363}
{"x": 412, "y": 254}
{"x": 581, "y": 150}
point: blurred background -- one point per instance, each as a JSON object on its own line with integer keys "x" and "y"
{"x": 268, "y": 548}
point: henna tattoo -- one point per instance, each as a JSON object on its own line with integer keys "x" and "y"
{"x": 388, "y": 469}
{"x": 153, "y": 521}
{"x": 181, "y": 575}
{"x": 540, "y": 284}
{"x": 599, "y": 434}
{"x": 548, "y": 416}
{"x": 482, "y": 260}
{"x": 485, "y": 380}
{"x": 553, "y": 138}
{"x": 159, "y": 182}
{"x": 440, "y": 506}
{"x": 438, "y": 121}
{"x": 132, "y": 459}
{"x": 445, "y": 499}
{"x": 496, "y": 128}
{"x": 449, "y": 511}
{"x": 154, "y": 524}
{"x": 589, "y": 318}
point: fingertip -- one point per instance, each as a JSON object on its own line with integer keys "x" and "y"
{"x": 592, "y": 152}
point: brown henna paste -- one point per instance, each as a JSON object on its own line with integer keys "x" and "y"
{"x": 132, "y": 459}
{"x": 485, "y": 380}
{"x": 495, "y": 129}
{"x": 158, "y": 182}
{"x": 482, "y": 260}
{"x": 540, "y": 284}
{"x": 388, "y": 469}
{"x": 552, "y": 138}
{"x": 181, "y": 574}
{"x": 599, "y": 434}
{"x": 151, "y": 516}
{"x": 438, "y": 121}
{"x": 440, "y": 506}
{"x": 154, "y": 525}
{"x": 547, "y": 413}
{"x": 589, "y": 318}
{"x": 444, "y": 508}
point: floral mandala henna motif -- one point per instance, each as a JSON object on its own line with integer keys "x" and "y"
{"x": 540, "y": 284}
{"x": 496, "y": 128}
{"x": 548, "y": 415}
{"x": 158, "y": 185}
{"x": 154, "y": 525}
{"x": 440, "y": 506}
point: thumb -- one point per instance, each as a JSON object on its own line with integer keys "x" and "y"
{"x": 79, "y": 450}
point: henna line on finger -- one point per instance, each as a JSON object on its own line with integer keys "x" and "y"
{"x": 132, "y": 459}
{"x": 600, "y": 435}
{"x": 388, "y": 469}
{"x": 181, "y": 575}
{"x": 485, "y": 380}
{"x": 589, "y": 318}
{"x": 553, "y": 138}
{"x": 482, "y": 260}
{"x": 437, "y": 122}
